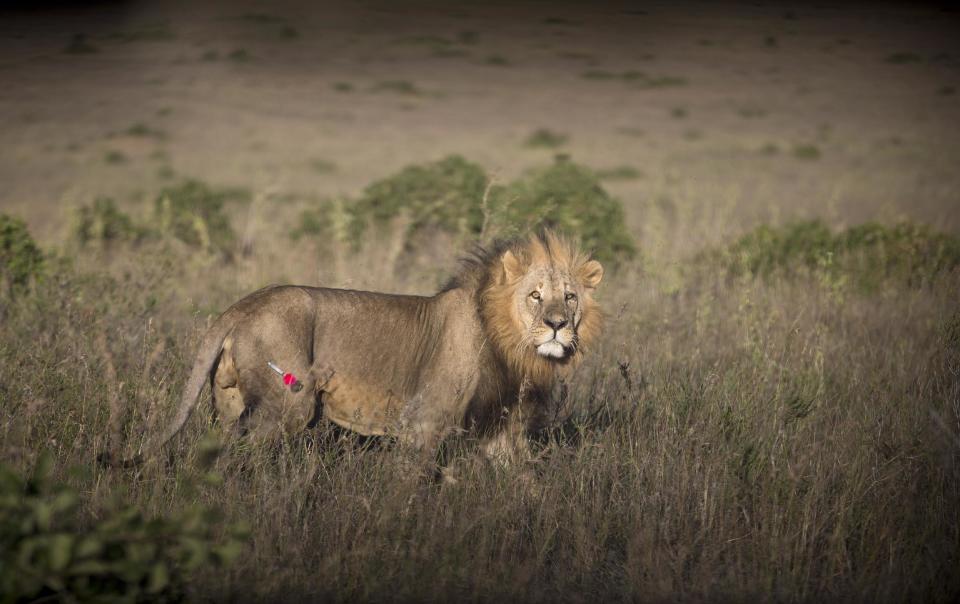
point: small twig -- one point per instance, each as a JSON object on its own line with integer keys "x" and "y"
{"x": 485, "y": 208}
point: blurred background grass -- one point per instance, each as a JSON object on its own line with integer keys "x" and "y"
{"x": 774, "y": 410}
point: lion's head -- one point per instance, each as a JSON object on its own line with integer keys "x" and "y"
{"x": 538, "y": 306}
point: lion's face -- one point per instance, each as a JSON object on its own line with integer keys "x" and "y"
{"x": 550, "y": 299}
{"x": 548, "y": 309}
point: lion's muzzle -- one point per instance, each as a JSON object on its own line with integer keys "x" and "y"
{"x": 552, "y": 349}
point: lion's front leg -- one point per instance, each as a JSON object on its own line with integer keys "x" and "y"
{"x": 508, "y": 444}
{"x": 427, "y": 422}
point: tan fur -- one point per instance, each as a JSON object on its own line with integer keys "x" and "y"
{"x": 482, "y": 353}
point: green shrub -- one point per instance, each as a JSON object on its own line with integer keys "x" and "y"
{"x": 115, "y": 157}
{"x": 866, "y": 255}
{"x": 47, "y": 553}
{"x": 444, "y": 195}
{"x": 103, "y": 224}
{"x": 545, "y": 138}
{"x": 906, "y": 251}
{"x": 568, "y": 197}
{"x": 806, "y": 151}
{"x": 20, "y": 259}
{"x": 194, "y": 213}
{"x": 766, "y": 248}
{"x": 448, "y": 196}
{"x": 191, "y": 212}
{"x": 139, "y": 129}
{"x": 322, "y": 223}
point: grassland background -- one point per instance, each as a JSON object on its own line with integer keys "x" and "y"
{"x": 793, "y": 437}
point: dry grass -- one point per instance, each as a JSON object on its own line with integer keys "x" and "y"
{"x": 730, "y": 438}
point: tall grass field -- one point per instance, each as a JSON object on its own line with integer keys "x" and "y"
{"x": 774, "y": 417}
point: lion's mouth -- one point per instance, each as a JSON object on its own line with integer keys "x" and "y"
{"x": 552, "y": 349}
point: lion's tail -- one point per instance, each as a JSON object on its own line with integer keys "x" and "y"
{"x": 210, "y": 349}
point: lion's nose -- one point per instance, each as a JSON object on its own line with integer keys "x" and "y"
{"x": 556, "y": 323}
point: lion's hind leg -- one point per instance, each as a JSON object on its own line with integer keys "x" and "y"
{"x": 276, "y": 407}
{"x": 227, "y": 399}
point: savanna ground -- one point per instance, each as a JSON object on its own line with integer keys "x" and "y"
{"x": 773, "y": 412}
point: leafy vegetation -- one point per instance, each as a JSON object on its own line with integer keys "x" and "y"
{"x": 546, "y": 138}
{"x": 21, "y": 261}
{"x": 866, "y": 255}
{"x": 444, "y": 195}
{"x": 569, "y": 197}
{"x": 191, "y": 212}
{"x": 806, "y": 151}
{"x": 320, "y": 223}
{"x": 103, "y": 224}
{"x": 47, "y": 552}
{"x": 140, "y": 129}
{"x": 115, "y": 157}
{"x": 452, "y": 196}
{"x": 195, "y": 213}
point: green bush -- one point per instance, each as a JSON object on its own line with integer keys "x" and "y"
{"x": 322, "y": 223}
{"x": 568, "y": 197}
{"x": 766, "y": 248}
{"x": 543, "y": 137}
{"x": 102, "y": 223}
{"x": 20, "y": 258}
{"x": 866, "y": 255}
{"x": 47, "y": 553}
{"x": 448, "y": 196}
{"x": 444, "y": 195}
{"x": 194, "y": 213}
{"x": 909, "y": 251}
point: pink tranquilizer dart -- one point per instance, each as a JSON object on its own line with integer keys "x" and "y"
{"x": 289, "y": 379}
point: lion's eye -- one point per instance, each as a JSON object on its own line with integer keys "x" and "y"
{"x": 570, "y": 296}
{"x": 535, "y": 295}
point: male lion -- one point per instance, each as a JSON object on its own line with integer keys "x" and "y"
{"x": 483, "y": 353}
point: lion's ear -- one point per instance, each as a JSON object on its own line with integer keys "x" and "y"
{"x": 591, "y": 273}
{"x": 512, "y": 267}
